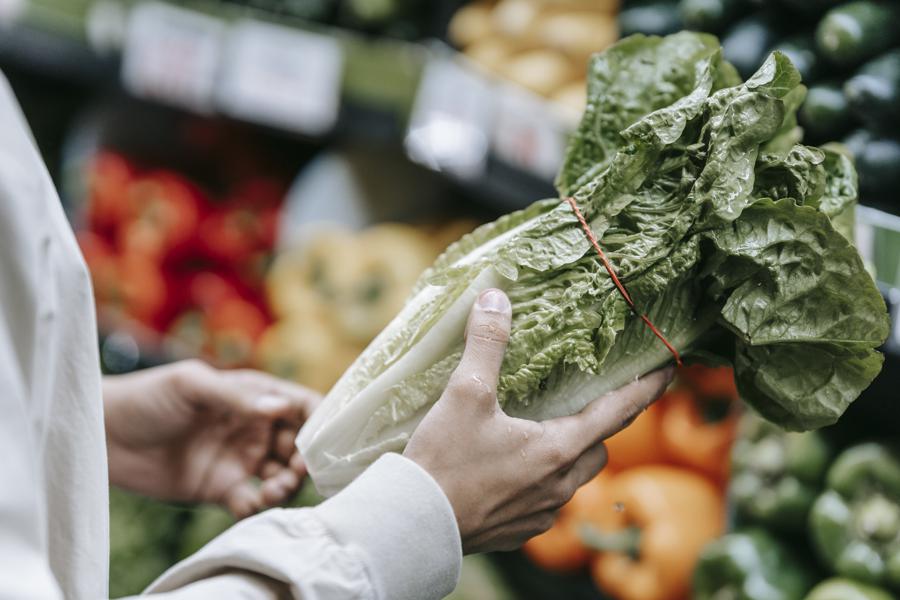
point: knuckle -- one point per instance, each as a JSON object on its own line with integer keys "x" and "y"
{"x": 186, "y": 371}
{"x": 554, "y": 455}
{"x": 557, "y": 453}
{"x": 490, "y": 329}
{"x": 544, "y": 521}
{"x": 631, "y": 409}
{"x": 564, "y": 491}
{"x": 471, "y": 386}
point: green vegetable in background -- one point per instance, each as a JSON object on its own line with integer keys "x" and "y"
{"x": 748, "y": 41}
{"x": 143, "y": 535}
{"x": 856, "y": 141}
{"x": 801, "y": 51}
{"x": 855, "y": 524}
{"x": 825, "y": 113}
{"x": 710, "y": 15}
{"x": 207, "y": 521}
{"x": 776, "y": 475}
{"x": 855, "y": 31}
{"x": 873, "y": 93}
{"x": 657, "y": 17}
{"x": 879, "y": 166}
{"x": 837, "y": 588}
{"x": 750, "y": 565}
{"x": 716, "y": 220}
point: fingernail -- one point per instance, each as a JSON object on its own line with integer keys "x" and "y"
{"x": 494, "y": 300}
{"x": 268, "y": 402}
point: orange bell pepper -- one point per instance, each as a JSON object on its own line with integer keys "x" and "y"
{"x": 560, "y": 549}
{"x": 639, "y": 443}
{"x": 710, "y": 382}
{"x": 690, "y": 438}
{"x": 664, "y": 516}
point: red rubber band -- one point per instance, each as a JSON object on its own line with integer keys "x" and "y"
{"x": 619, "y": 285}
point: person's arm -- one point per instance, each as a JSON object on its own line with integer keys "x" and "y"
{"x": 391, "y": 534}
{"x": 24, "y": 567}
{"x": 471, "y": 478}
{"x": 24, "y": 570}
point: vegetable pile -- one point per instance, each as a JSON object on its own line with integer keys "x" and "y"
{"x": 818, "y": 511}
{"x": 175, "y": 265}
{"x": 725, "y": 230}
{"x": 847, "y": 52}
{"x": 639, "y": 526}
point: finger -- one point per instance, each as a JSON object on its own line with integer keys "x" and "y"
{"x": 567, "y": 482}
{"x": 612, "y": 412}
{"x": 270, "y": 468}
{"x": 298, "y": 465}
{"x": 304, "y": 400}
{"x": 228, "y": 392}
{"x": 280, "y": 487}
{"x": 512, "y": 534}
{"x": 487, "y": 334}
{"x": 261, "y": 394}
{"x": 308, "y": 399}
{"x": 283, "y": 444}
{"x": 243, "y": 500}
{"x": 585, "y": 468}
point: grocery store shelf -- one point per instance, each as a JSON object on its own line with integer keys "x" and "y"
{"x": 43, "y": 51}
{"x": 497, "y": 141}
{"x": 341, "y": 84}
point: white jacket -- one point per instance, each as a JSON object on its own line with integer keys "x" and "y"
{"x": 390, "y": 535}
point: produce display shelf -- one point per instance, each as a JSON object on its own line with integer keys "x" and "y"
{"x": 410, "y": 92}
{"x": 381, "y": 88}
{"x": 44, "y": 51}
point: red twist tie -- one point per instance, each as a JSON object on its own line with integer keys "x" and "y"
{"x": 619, "y": 285}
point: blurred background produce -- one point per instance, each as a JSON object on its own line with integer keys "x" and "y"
{"x": 637, "y": 528}
{"x": 267, "y": 196}
{"x": 543, "y": 46}
{"x": 847, "y": 52}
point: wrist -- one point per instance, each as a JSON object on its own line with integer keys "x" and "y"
{"x": 115, "y": 448}
{"x": 127, "y": 466}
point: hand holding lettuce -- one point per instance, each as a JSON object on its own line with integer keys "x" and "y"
{"x": 719, "y": 224}
{"x": 505, "y": 478}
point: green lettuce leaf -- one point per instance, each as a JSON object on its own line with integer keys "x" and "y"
{"x": 719, "y": 222}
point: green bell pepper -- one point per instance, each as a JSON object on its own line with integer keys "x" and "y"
{"x": 776, "y": 474}
{"x": 749, "y": 565}
{"x": 855, "y": 523}
{"x": 837, "y": 588}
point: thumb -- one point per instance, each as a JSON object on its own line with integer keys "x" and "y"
{"x": 487, "y": 335}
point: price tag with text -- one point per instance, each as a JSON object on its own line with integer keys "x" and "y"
{"x": 281, "y": 77}
{"x": 172, "y": 54}
{"x": 451, "y": 119}
{"x": 528, "y": 135}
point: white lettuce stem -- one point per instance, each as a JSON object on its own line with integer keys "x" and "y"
{"x": 580, "y": 389}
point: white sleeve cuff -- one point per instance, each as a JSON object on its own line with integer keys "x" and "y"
{"x": 390, "y": 535}
{"x": 400, "y": 518}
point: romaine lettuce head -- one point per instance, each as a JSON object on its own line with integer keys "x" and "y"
{"x": 717, "y": 221}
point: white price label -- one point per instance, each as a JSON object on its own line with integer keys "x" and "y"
{"x": 528, "y": 135}
{"x": 282, "y": 77}
{"x": 451, "y": 119}
{"x": 11, "y": 10}
{"x": 172, "y": 54}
